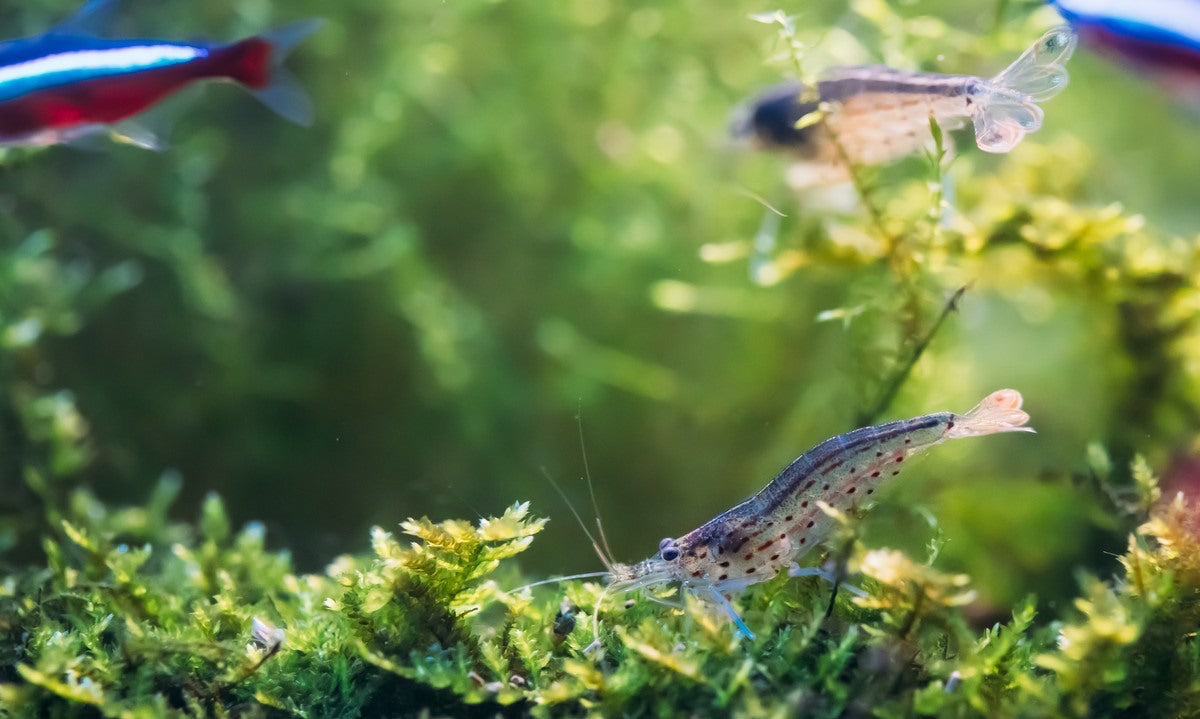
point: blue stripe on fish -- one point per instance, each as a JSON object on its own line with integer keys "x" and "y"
{"x": 1172, "y": 22}
{"x": 55, "y": 61}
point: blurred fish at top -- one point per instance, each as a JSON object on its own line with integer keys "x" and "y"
{"x": 1160, "y": 38}
{"x": 876, "y": 114}
{"x": 70, "y": 84}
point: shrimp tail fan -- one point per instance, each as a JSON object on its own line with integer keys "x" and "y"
{"x": 1040, "y": 71}
{"x": 999, "y": 412}
{"x": 1008, "y": 108}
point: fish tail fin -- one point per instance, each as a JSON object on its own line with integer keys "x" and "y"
{"x": 1000, "y": 411}
{"x": 258, "y": 64}
{"x": 1008, "y": 107}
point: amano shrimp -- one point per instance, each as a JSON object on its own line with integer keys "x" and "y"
{"x": 768, "y": 532}
{"x": 875, "y": 114}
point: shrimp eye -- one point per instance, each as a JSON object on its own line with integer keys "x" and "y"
{"x": 670, "y": 554}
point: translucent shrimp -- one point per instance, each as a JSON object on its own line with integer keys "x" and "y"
{"x": 876, "y": 114}
{"x": 768, "y": 532}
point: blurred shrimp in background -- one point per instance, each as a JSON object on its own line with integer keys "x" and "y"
{"x": 876, "y": 114}
{"x": 873, "y": 115}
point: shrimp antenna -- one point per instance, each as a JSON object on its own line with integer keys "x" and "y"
{"x": 747, "y": 192}
{"x": 587, "y": 473}
{"x": 582, "y": 525}
{"x": 552, "y": 580}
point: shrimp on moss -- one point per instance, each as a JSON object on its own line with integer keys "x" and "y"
{"x": 768, "y": 532}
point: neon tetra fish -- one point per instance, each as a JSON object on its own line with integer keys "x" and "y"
{"x": 69, "y": 83}
{"x": 768, "y": 532}
{"x": 1160, "y": 38}
{"x": 876, "y": 114}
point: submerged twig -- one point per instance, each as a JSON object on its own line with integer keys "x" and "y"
{"x": 902, "y": 372}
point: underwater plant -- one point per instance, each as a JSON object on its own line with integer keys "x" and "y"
{"x": 198, "y": 620}
{"x": 297, "y": 336}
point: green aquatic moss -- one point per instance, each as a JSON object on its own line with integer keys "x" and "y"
{"x": 134, "y": 615}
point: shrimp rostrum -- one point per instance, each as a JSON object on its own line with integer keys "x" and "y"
{"x": 768, "y": 532}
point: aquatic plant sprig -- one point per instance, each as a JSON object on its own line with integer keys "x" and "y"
{"x": 902, "y": 370}
{"x": 429, "y": 585}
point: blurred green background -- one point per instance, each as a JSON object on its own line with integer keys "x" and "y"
{"x": 511, "y": 215}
